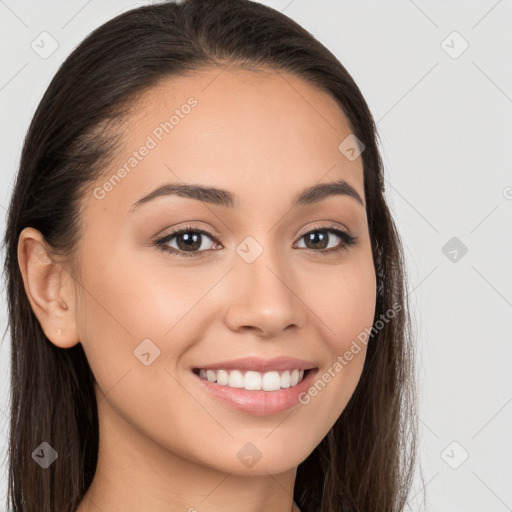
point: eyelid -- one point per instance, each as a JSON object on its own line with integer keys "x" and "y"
{"x": 216, "y": 236}
{"x": 190, "y": 227}
{"x": 320, "y": 227}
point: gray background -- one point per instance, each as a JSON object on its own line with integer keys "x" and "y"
{"x": 445, "y": 121}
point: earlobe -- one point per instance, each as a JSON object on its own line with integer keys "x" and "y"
{"x": 49, "y": 289}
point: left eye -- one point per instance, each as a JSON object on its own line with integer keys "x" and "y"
{"x": 321, "y": 238}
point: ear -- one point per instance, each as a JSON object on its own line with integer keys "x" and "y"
{"x": 49, "y": 288}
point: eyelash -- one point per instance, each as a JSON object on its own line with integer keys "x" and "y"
{"x": 347, "y": 241}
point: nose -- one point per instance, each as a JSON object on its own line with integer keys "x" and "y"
{"x": 264, "y": 297}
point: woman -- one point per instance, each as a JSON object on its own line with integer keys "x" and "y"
{"x": 205, "y": 285}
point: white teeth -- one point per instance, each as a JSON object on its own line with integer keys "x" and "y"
{"x": 236, "y": 379}
{"x": 251, "y": 380}
{"x": 222, "y": 377}
{"x": 271, "y": 381}
{"x": 285, "y": 379}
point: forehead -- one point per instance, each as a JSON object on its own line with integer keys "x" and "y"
{"x": 247, "y": 131}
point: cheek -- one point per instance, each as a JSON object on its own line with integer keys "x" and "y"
{"x": 130, "y": 302}
{"x": 343, "y": 299}
{"x": 345, "y": 302}
{"x": 134, "y": 306}
{"x": 137, "y": 298}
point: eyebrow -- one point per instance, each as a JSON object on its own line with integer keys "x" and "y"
{"x": 227, "y": 199}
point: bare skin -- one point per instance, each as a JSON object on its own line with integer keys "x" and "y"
{"x": 165, "y": 443}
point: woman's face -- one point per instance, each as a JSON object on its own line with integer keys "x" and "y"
{"x": 264, "y": 282}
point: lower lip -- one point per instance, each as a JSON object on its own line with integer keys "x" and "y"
{"x": 261, "y": 403}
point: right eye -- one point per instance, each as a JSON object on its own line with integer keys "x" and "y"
{"x": 190, "y": 241}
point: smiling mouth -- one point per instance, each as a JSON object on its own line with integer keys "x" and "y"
{"x": 253, "y": 380}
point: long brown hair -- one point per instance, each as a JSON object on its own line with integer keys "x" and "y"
{"x": 366, "y": 461}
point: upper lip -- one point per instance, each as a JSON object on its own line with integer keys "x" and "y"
{"x": 259, "y": 364}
